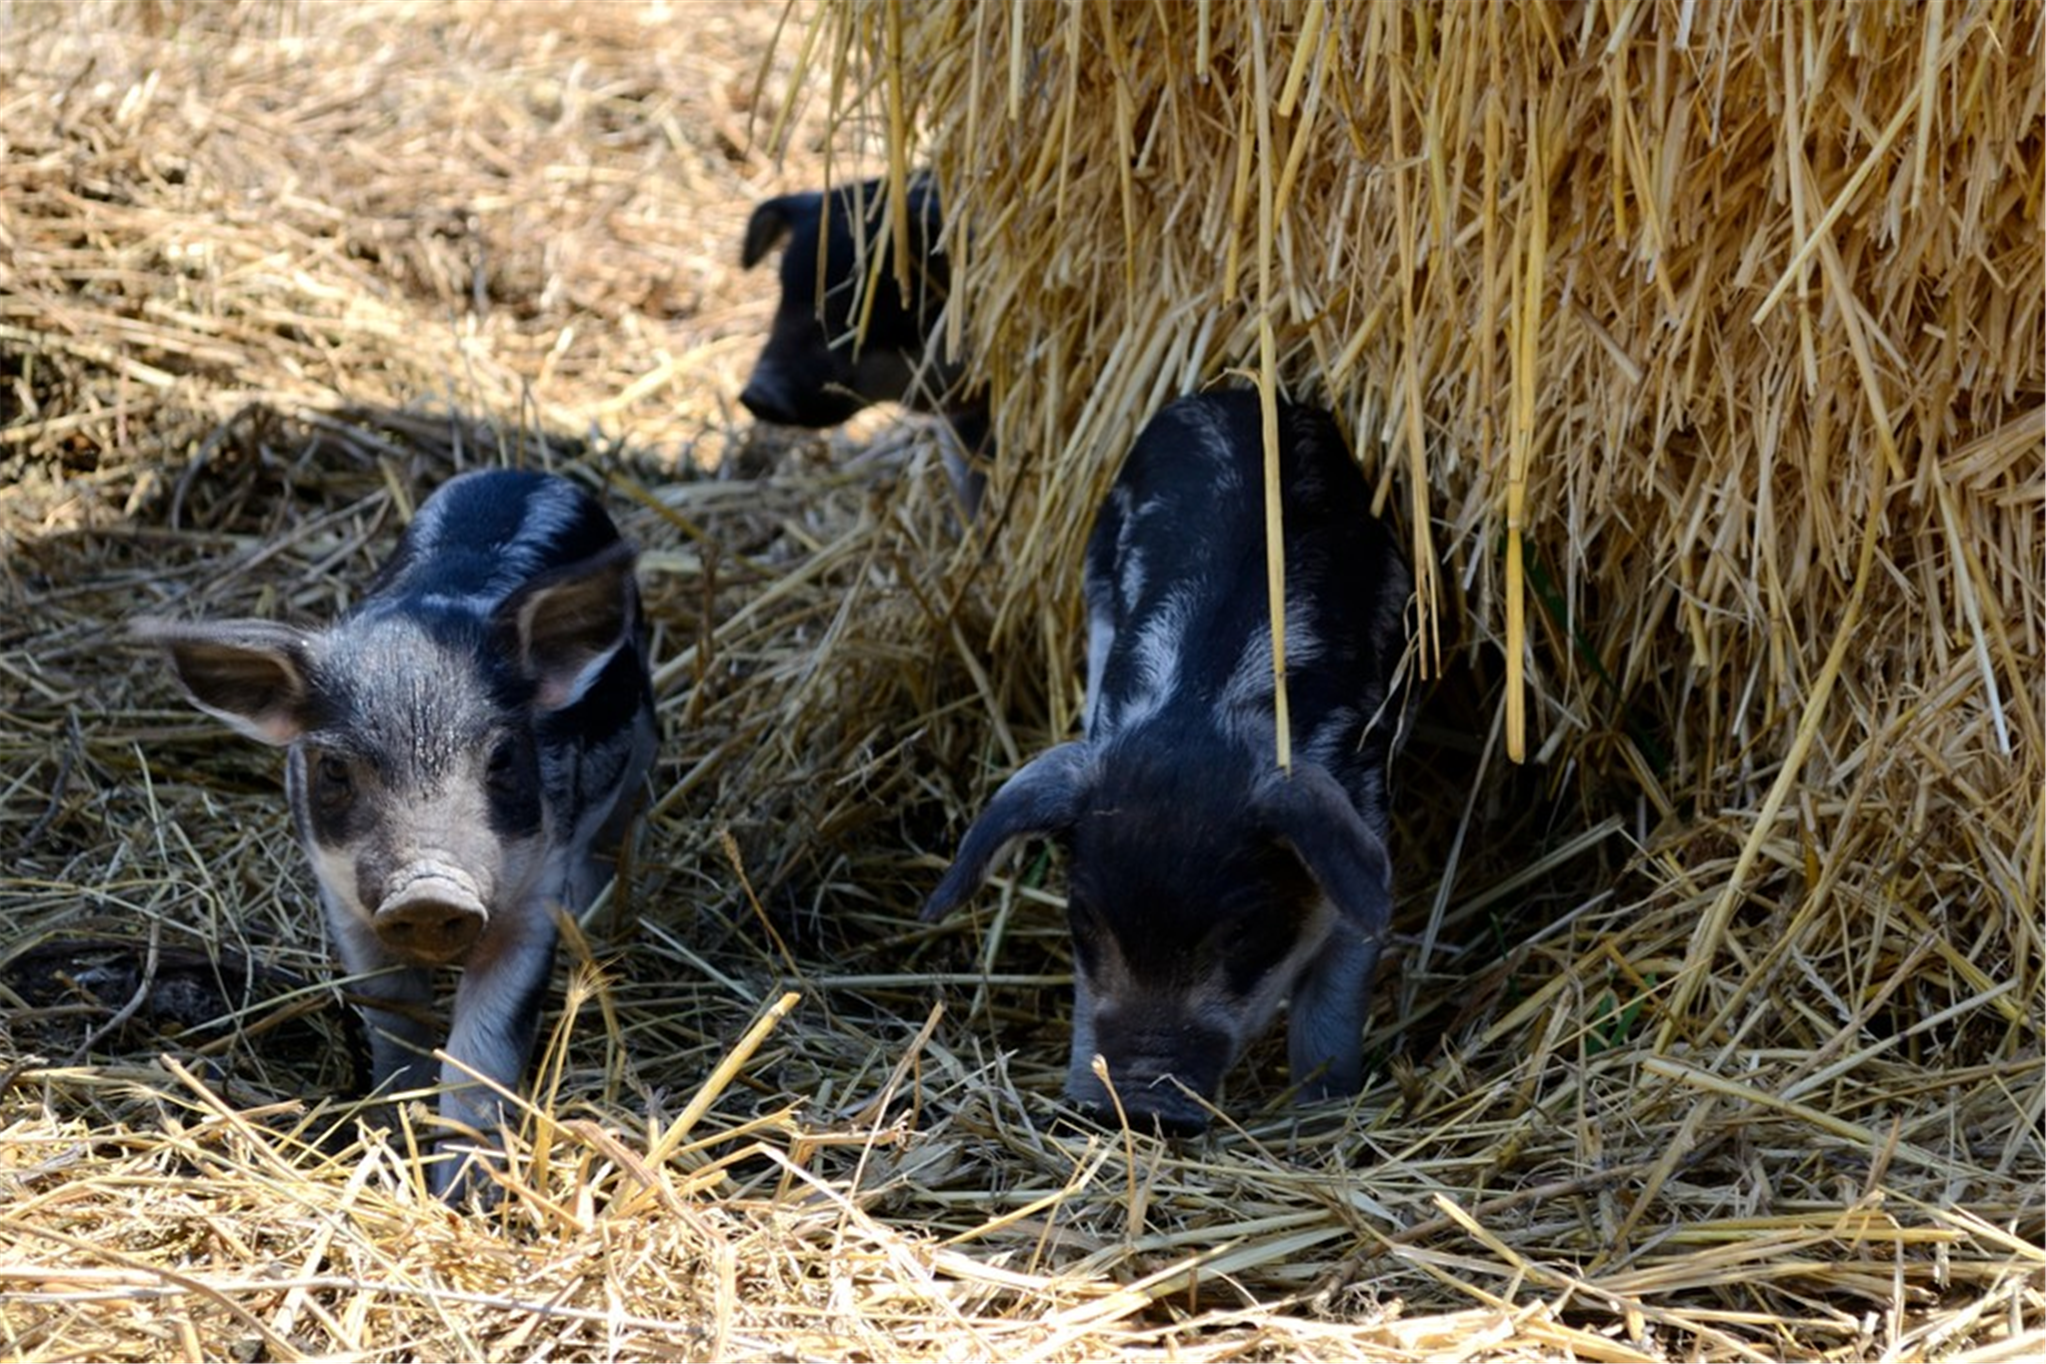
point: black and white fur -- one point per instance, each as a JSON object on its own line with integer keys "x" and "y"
{"x": 1206, "y": 885}
{"x": 462, "y": 746}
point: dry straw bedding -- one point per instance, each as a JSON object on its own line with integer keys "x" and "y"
{"x": 1697, "y": 348}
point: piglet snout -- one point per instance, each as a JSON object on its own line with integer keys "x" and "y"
{"x": 1155, "y": 1072}
{"x": 766, "y": 397}
{"x": 432, "y": 918}
{"x": 1175, "y": 1119}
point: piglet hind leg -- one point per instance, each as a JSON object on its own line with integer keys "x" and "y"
{"x": 1325, "y": 1020}
{"x": 496, "y": 1018}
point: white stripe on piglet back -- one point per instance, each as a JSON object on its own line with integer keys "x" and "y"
{"x": 1211, "y": 440}
{"x": 1157, "y": 647}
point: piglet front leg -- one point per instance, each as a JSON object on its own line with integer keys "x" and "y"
{"x": 495, "y": 1021}
{"x": 396, "y": 1000}
{"x": 1326, "y": 1018}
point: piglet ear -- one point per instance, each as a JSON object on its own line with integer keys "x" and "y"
{"x": 1042, "y": 798}
{"x": 563, "y": 627}
{"x": 251, "y": 673}
{"x": 772, "y": 222}
{"x": 1312, "y": 814}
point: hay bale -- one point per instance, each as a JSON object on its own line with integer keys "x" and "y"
{"x": 1698, "y": 354}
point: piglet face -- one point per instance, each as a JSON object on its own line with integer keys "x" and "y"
{"x": 1205, "y": 887}
{"x": 415, "y": 774}
{"x": 418, "y": 791}
{"x": 1190, "y": 924}
{"x": 836, "y": 345}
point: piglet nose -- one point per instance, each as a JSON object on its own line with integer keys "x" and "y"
{"x": 431, "y": 919}
{"x": 767, "y": 401}
{"x": 1177, "y": 1122}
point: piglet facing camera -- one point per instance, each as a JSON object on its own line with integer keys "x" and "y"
{"x": 1206, "y": 885}
{"x": 463, "y": 747}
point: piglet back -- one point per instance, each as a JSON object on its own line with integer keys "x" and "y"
{"x": 1176, "y": 572}
{"x": 485, "y": 535}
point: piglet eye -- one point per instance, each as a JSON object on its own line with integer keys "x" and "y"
{"x": 507, "y": 770}
{"x": 333, "y": 779}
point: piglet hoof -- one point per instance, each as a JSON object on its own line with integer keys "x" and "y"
{"x": 460, "y": 1176}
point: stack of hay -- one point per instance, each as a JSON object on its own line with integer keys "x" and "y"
{"x": 1697, "y": 354}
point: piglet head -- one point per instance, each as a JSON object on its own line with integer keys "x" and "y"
{"x": 844, "y": 335}
{"x": 1200, "y": 890}
{"x": 413, "y": 762}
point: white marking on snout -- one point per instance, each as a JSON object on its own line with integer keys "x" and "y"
{"x": 334, "y": 869}
{"x": 431, "y": 876}
{"x": 435, "y": 872}
{"x": 430, "y": 845}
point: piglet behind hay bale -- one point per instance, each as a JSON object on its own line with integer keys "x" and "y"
{"x": 845, "y": 334}
{"x": 1207, "y": 883}
{"x": 461, "y": 746}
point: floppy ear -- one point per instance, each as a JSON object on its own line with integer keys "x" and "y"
{"x": 1042, "y": 798}
{"x": 251, "y": 673}
{"x": 1312, "y": 814}
{"x": 565, "y": 626}
{"x": 772, "y": 222}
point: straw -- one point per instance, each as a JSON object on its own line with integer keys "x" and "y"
{"x": 1709, "y": 1030}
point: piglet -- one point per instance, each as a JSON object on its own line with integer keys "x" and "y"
{"x": 461, "y": 747}
{"x": 1206, "y": 885}
{"x": 816, "y": 368}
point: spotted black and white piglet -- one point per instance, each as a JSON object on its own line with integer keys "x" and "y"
{"x": 463, "y": 747}
{"x": 1206, "y": 884}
